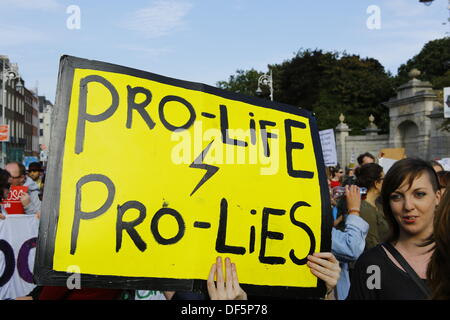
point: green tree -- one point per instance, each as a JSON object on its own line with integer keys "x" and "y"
{"x": 326, "y": 83}
{"x": 330, "y": 83}
{"x": 298, "y": 81}
{"x": 245, "y": 82}
{"x": 433, "y": 61}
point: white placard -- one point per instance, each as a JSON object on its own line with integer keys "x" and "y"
{"x": 386, "y": 163}
{"x": 18, "y": 238}
{"x": 445, "y": 162}
{"x": 447, "y": 102}
{"x": 328, "y": 147}
{"x": 149, "y": 295}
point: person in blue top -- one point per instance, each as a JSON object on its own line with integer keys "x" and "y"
{"x": 347, "y": 245}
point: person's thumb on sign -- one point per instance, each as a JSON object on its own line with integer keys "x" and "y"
{"x": 224, "y": 289}
{"x": 25, "y": 199}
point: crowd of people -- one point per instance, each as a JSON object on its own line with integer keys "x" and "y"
{"x": 390, "y": 238}
{"x": 29, "y": 184}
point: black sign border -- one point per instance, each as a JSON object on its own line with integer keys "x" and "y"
{"x": 43, "y": 268}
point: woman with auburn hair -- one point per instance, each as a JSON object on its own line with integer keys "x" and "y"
{"x": 444, "y": 180}
{"x": 440, "y": 260}
{"x": 397, "y": 269}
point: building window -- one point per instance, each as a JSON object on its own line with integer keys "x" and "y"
{"x": 41, "y": 132}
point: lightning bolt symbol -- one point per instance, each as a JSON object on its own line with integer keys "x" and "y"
{"x": 198, "y": 164}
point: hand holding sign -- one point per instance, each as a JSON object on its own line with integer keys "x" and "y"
{"x": 25, "y": 199}
{"x": 227, "y": 289}
{"x": 325, "y": 267}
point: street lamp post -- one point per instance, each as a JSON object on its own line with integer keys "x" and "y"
{"x": 6, "y": 74}
{"x": 426, "y": 2}
{"x": 267, "y": 80}
{"x": 429, "y": 2}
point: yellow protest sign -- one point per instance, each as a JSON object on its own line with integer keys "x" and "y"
{"x": 154, "y": 177}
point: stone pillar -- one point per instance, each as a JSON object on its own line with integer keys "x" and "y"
{"x": 410, "y": 126}
{"x": 342, "y": 132}
{"x": 372, "y": 129}
{"x": 439, "y": 138}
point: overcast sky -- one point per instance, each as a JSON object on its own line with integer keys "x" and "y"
{"x": 208, "y": 40}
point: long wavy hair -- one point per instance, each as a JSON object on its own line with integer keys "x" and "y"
{"x": 439, "y": 265}
{"x": 444, "y": 178}
{"x": 403, "y": 170}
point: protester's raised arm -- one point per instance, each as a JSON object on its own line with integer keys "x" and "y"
{"x": 353, "y": 199}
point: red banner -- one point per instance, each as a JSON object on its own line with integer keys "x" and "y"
{"x": 12, "y": 204}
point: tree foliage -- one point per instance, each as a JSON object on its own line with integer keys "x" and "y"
{"x": 327, "y": 83}
{"x": 245, "y": 82}
{"x": 433, "y": 61}
{"x": 330, "y": 83}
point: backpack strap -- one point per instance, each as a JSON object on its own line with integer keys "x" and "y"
{"x": 410, "y": 271}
